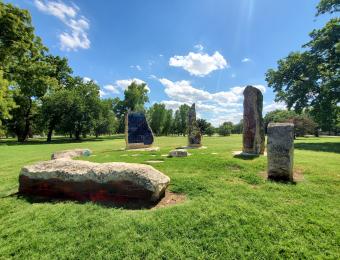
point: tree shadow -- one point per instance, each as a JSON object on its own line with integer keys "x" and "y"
{"x": 40, "y": 141}
{"x": 319, "y": 147}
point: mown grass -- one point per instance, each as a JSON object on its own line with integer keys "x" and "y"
{"x": 230, "y": 211}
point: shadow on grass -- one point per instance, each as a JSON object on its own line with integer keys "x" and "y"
{"x": 319, "y": 147}
{"x": 168, "y": 199}
{"x": 246, "y": 156}
{"x": 60, "y": 140}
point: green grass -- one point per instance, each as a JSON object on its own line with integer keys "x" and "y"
{"x": 231, "y": 211}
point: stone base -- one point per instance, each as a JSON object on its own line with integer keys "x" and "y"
{"x": 137, "y": 145}
{"x": 146, "y": 149}
{"x": 243, "y": 154}
{"x": 192, "y": 147}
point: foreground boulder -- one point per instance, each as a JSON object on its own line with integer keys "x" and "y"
{"x": 69, "y": 154}
{"x": 87, "y": 181}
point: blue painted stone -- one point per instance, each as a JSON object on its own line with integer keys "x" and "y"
{"x": 138, "y": 129}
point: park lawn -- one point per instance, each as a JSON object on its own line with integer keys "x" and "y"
{"x": 231, "y": 211}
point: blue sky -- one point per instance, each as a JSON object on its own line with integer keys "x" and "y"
{"x": 202, "y": 51}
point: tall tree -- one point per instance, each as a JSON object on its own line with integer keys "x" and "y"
{"x": 157, "y": 117}
{"x": 6, "y": 102}
{"x": 311, "y": 79}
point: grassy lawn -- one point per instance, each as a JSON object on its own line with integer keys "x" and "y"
{"x": 230, "y": 211}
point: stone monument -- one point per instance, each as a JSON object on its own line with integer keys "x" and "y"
{"x": 280, "y": 151}
{"x": 194, "y": 133}
{"x": 253, "y": 126}
{"x": 138, "y": 133}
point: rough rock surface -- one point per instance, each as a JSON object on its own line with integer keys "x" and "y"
{"x": 83, "y": 181}
{"x": 138, "y": 133}
{"x": 194, "y": 133}
{"x": 178, "y": 153}
{"x": 253, "y": 126}
{"x": 280, "y": 151}
{"x": 69, "y": 154}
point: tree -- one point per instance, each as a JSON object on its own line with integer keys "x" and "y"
{"x": 210, "y": 130}
{"x": 106, "y": 123}
{"x": 83, "y": 108}
{"x": 310, "y": 79}
{"x": 238, "y": 128}
{"x": 168, "y": 122}
{"x": 6, "y": 102}
{"x": 328, "y": 6}
{"x": 135, "y": 97}
{"x": 303, "y": 123}
{"x": 203, "y": 125}
{"x": 157, "y": 117}
{"x": 183, "y": 119}
{"x": 225, "y": 129}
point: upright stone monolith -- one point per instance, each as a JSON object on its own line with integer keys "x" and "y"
{"x": 194, "y": 133}
{"x": 253, "y": 126}
{"x": 138, "y": 133}
{"x": 280, "y": 151}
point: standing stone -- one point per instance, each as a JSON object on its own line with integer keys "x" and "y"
{"x": 138, "y": 133}
{"x": 194, "y": 133}
{"x": 253, "y": 126}
{"x": 280, "y": 151}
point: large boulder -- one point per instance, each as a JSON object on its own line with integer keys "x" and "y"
{"x": 88, "y": 181}
{"x": 253, "y": 126}
{"x": 69, "y": 154}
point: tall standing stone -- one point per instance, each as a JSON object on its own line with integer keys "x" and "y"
{"x": 138, "y": 133}
{"x": 280, "y": 151}
{"x": 253, "y": 126}
{"x": 194, "y": 133}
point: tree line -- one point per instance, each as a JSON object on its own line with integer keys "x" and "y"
{"x": 40, "y": 95}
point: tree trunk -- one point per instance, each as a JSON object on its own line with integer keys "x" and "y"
{"x": 23, "y": 136}
{"x": 77, "y": 135}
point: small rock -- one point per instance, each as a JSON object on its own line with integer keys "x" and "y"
{"x": 69, "y": 154}
{"x": 178, "y": 153}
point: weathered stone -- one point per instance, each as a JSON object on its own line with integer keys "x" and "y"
{"x": 87, "y": 181}
{"x": 194, "y": 133}
{"x": 253, "y": 126}
{"x": 178, "y": 153}
{"x": 280, "y": 151}
{"x": 138, "y": 133}
{"x": 69, "y": 154}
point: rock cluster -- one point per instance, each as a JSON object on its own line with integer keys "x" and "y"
{"x": 69, "y": 154}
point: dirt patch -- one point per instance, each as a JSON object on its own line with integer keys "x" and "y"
{"x": 297, "y": 175}
{"x": 170, "y": 199}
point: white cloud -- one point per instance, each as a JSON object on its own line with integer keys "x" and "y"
{"x": 199, "y": 64}
{"x": 137, "y": 67}
{"x": 77, "y": 36}
{"x": 102, "y": 93}
{"x": 86, "y": 79}
{"x": 111, "y": 89}
{"x": 217, "y": 107}
{"x": 273, "y": 106}
{"x": 245, "y": 60}
{"x": 199, "y": 47}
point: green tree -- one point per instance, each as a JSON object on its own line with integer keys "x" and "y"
{"x": 106, "y": 123}
{"x": 135, "y": 97}
{"x": 225, "y": 129}
{"x": 238, "y": 128}
{"x": 203, "y": 125}
{"x": 183, "y": 119}
{"x": 6, "y": 102}
{"x": 168, "y": 122}
{"x": 311, "y": 79}
{"x": 157, "y": 116}
{"x": 210, "y": 130}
